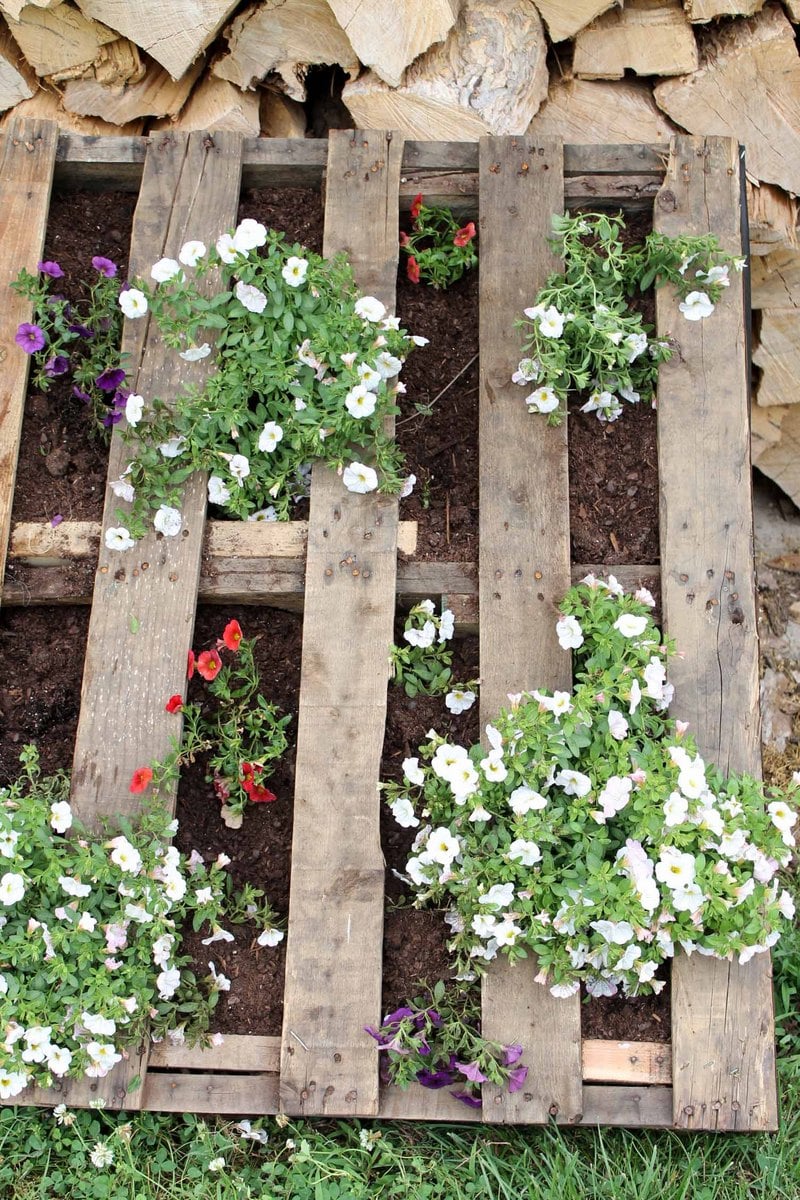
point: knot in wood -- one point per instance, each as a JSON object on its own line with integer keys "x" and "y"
{"x": 666, "y": 201}
{"x": 553, "y": 1110}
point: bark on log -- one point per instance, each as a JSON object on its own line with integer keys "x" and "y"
{"x": 747, "y": 87}
{"x": 156, "y": 95}
{"x": 564, "y": 18}
{"x": 597, "y": 112}
{"x": 780, "y": 461}
{"x": 490, "y": 76}
{"x": 55, "y": 39}
{"x": 387, "y": 35}
{"x": 15, "y": 86}
{"x": 173, "y": 33}
{"x": 216, "y": 104}
{"x": 47, "y": 106}
{"x": 286, "y": 36}
{"x": 772, "y": 216}
{"x": 778, "y": 356}
{"x": 706, "y": 10}
{"x": 775, "y": 280}
{"x": 282, "y": 117}
{"x": 650, "y": 37}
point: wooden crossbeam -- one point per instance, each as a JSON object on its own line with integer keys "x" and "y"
{"x": 722, "y": 1026}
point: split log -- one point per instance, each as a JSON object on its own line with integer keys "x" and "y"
{"x": 747, "y": 87}
{"x": 282, "y": 117}
{"x": 490, "y": 76}
{"x": 565, "y": 18}
{"x": 286, "y": 36}
{"x": 117, "y": 62}
{"x": 793, "y": 9}
{"x": 47, "y": 106}
{"x": 775, "y": 280}
{"x": 780, "y": 461}
{"x": 14, "y": 82}
{"x": 706, "y": 10}
{"x": 13, "y": 8}
{"x": 173, "y": 33}
{"x": 765, "y": 429}
{"x": 778, "y": 355}
{"x": 387, "y": 35}
{"x": 597, "y": 112}
{"x": 156, "y": 95}
{"x": 772, "y": 216}
{"x": 650, "y": 37}
{"x": 216, "y": 104}
{"x": 55, "y": 39}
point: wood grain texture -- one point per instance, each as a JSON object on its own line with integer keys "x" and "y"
{"x": 626, "y": 1062}
{"x": 27, "y": 161}
{"x": 722, "y": 1033}
{"x": 237, "y": 1095}
{"x": 329, "y": 1065}
{"x": 524, "y": 571}
{"x": 238, "y": 1052}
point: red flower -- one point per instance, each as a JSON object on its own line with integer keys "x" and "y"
{"x": 174, "y": 704}
{"x": 190, "y": 665}
{"x": 412, "y": 269}
{"x": 140, "y": 779}
{"x": 209, "y": 664}
{"x": 404, "y": 238}
{"x": 465, "y": 235}
{"x": 232, "y": 635}
{"x": 256, "y": 791}
{"x": 416, "y": 205}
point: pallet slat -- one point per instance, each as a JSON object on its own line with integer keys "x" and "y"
{"x": 524, "y": 570}
{"x": 334, "y": 944}
{"x": 722, "y": 1031}
{"x": 27, "y": 162}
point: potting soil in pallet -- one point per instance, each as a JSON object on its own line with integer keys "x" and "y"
{"x": 719, "y": 1072}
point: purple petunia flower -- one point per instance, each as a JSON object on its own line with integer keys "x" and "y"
{"x": 57, "y": 366}
{"x": 435, "y": 1079}
{"x": 511, "y": 1054}
{"x": 516, "y": 1078}
{"x": 52, "y": 269}
{"x": 82, "y": 330}
{"x": 79, "y": 394}
{"x": 398, "y": 1015}
{"x": 105, "y": 266}
{"x": 30, "y": 338}
{"x": 467, "y": 1098}
{"x": 472, "y": 1071}
{"x": 112, "y": 417}
{"x": 110, "y": 379}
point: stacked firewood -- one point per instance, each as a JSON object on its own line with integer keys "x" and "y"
{"x": 583, "y": 70}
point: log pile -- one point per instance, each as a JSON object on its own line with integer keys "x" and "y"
{"x": 584, "y": 70}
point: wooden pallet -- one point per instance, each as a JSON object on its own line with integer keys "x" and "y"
{"x": 342, "y": 570}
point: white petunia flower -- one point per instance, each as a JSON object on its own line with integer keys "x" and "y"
{"x": 226, "y": 248}
{"x": 442, "y": 846}
{"x": 359, "y": 478}
{"x": 480, "y": 813}
{"x": 59, "y": 1059}
{"x": 644, "y": 597}
{"x": 173, "y": 447}
{"x": 494, "y": 768}
{"x": 360, "y": 401}
{"x": 421, "y": 637}
{"x": 12, "y": 888}
{"x": 134, "y": 407}
{"x": 617, "y": 725}
{"x": 786, "y": 905}
{"x": 218, "y": 493}
{"x": 715, "y": 275}
{"x": 630, "y": 625}
{"x": 696, "y": 306}
{"x": 220, "y": 983}
{"x": 191, "y": 253}
{"x": 133, "y": 303}
{"x": 369, "y": 377}
{"x": 195, "y": 353}
{"x": 574, "y": 783}
{"x": 506, "y": 932}
{"x": 12, "y": 1083}
{"x": 417, "y": 340}
{"x": 37, "y": 1043}
{"x": 614, "y": 796}
{"x": 388, "y": 364}
{"x": 484, "y": 925}
{"x": 123, "y": 490}
{"x": 463, "y": 779}
{"x": 781, "y": 816}
{"x": 637, "y": 344}
{"x": 218, "y": 934}
{"x": 551, "y": 323}
{"x": 525, "y": 852}
{"x": 9, "y": 839}
{"x": 403, "y": 813}
{"x": 270, "y": 937}
{"x": 459, "y": 700}
{"x": 408, "y": 486}
{"x": 99, "y": 1025}
{"x": 74, "y": 887}
{"x": 675, "y": 868}
{"x": 499, "y": 894}
{"x": 249, "y": 235}
{"x": 676, "y": 809}
{"x": 251, "y": 298}
{"x": 542, "y": 400}
{"x": 164, "y": 270}
{"x": 264, "y": 514}
{"x": 413, "y": 771}
{"x": 524, "y": 799}
{"x": 60, "y": 816}
{"x": 526, "y": 372}
{"x": 239, "y": 467}
{"x": 168, "y": 521}
{"x": 616, "y": 933}
{"x": 563, "y": 991}
{"x": 370, "y": 309}
{"x": 125, "y": 856}
{"x": 570, "y": 634}
{"x": 270, "y": 435}
{"x": 118, "y": 538}
{"x": 692, "y": 778}
{"x": 168, "y": 982}
{"x": 447, "y": 625}
{"x": 295, "y": 271}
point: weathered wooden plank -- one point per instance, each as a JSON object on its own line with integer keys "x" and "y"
{"x": 218, "y": 1093}
{"x": 238, "y": 1052}
{"x": 333, "y": 960}
{"x": 142, "y": 620}
{"x": 27, "y": 158}
{"x": 722, "y": 1031}
{"x": 628, "y": 1107}
{"x": 626, "y": 1062}
{"x": 524, "y": 571}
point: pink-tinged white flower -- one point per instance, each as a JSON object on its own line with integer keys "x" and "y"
{"x": 168, "y": 982}
{"x": 167, "y": 521}
{"x": 408, "y": 486}
{"x": 226, "y": 248}
{"x": 573, "y": 783}
{"x": 421, "y": 637}
{"x": 617, "y": 725}
{"x": 162, "y": 949}
{"x": 295, "y": 271}
{"x": 635, "y": 697}
{"x": 526, "y": 372}
{"x": 220, "y": 982}
{"x": 12, "y": 888}
{"x": 523, "y": 851}
{"x": 570, "y": 634}
{"x": 524, "y": 799}
{"x": 696, "y": 306}
{"x": 250, "y": 297}
{"x": 655, "y": 675}
{"x": 349, "y": 359}
{"x": 616, "y": 933}
{"x": 270, "y": 937}
{"x": 59, "y": 1059}
{"x": 403, "y": 813}
{"x": 87, "y": 923}
{"x": 786, "y": 906}
{"x": 614, "y": 796}
{"x": 103, "y": 1056}
{"x": 191, "y": 253}
{"x": 99, "y": 1025}
{"x": 164, "y": 270}
{"x": 506, "y": 932}
{"x": 359, "y": 478}
{"x": 8, "y": 843}
{"x": 563, "y": 991}
{"x": 74, "y": 887}
{"x": 644, "y": 597}
{"x": 134, "y": 407}
{"x": 715, "y": 275}
{"x": 459, "y": 700}
{"x": 630, "y": 625}
{"x": 676, "y": 810}
{"x": 542, "y": 400}
{"x": 370, "y": 309}
{"x": 613, "y": 586}
{"x": 60, "y": 816}
{"x": 118, "y": 538}
{"x": 12, "y": 1083}
{"x": 360, "y": 401}
{"x": 499, "y": 895}
{"x": 195, "y": 353}
{"x": 218, "y": 493}
{"x": 270, "y": 435}
{"x": 675, "y": 868}
{"x": 249, "y": 235}
{"x": 172, "y": 448}
{"x": 133, "y": 303}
